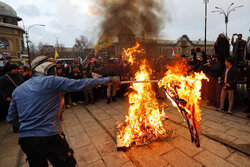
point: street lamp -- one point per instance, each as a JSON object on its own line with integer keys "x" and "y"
{"x": 205, "y": 40}
{"x": 226, "y": 14}
{"x": 27, "y": 38}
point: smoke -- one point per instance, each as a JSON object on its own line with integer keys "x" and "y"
{"x": 145, "y": 17}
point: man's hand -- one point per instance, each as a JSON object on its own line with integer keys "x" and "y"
{"x": 115, "y": 80}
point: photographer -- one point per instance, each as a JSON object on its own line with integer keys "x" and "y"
{"x": 238, "y": 49}
{"x": 199, "y": 59}
{"x": 248, "y": 49}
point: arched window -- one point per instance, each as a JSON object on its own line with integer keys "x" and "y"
{"x": 4, "y": 44}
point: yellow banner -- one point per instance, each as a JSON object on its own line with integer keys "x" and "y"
{"x": 56, "y": 54}
{"x": 104, "y": 42}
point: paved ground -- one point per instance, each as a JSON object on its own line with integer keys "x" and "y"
{"x": 90, "y": 130}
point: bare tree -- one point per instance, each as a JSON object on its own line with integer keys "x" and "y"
{"x": 40, "y": 47}
{"x": 33, "y": 51}
{"x": 60, "y": 46}
{"x": 82, "y": 43}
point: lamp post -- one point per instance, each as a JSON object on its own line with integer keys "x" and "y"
{"x": 226, "y": 13}
{"x": 27, "y": 38}
{"x": 205, "y": 40}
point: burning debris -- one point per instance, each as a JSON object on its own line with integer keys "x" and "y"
{"x": 143, "y": 123}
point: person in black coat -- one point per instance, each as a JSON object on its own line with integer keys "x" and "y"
{"x": 214, "y": 71}
{"x": 8, "y": 84}
{"x": 4, "y": 70}
{"x": 221, "y": 48}
{"x": 88, "y": 92}
{"x": 77, "y": 97}
{"x": 229, "y": 80}
{"x": 247, "y": 78}
{"x": 238, "y": 49}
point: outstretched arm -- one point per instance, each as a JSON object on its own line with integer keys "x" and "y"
{"x": 12, "y": 116}
{"x": 70, "y": 85}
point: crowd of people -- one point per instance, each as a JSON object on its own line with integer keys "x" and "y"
{"x": 224, "y": 71}
{"x": 36, "y": 109}
{"x": 94, "y": 69}
{"x": 214, "y": 66}
{"x": 13, "y": 75}
{"x": 25, "y": 90}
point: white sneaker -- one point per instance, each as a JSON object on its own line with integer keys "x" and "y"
{"x": 74, "y": 104}
{"x": 68, "y": 106}
{"x": 80, "y": 102}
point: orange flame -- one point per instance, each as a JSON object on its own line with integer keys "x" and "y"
{"x": 143, "y": 122}
{"x": 132, "y": 53}
{"x": 187, "y": 87}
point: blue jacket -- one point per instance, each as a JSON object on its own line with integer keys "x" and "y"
{"x": 35, "y": 104}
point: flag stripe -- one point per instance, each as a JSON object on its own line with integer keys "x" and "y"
{"x": 190, "y": 118}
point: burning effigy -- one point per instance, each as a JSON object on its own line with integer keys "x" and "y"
{"x": 143, "y": 123}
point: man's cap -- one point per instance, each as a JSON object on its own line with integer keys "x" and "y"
{"x": 41, "y": 65}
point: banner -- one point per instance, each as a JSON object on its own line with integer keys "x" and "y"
{"x": 104, "y": 42}
{"x": 56, "y": 54}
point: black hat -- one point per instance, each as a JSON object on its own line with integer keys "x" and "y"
{"x": 12, "y": 66}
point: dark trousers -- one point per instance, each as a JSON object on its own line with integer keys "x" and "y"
{"x": 77, "y": 96}
{"x": 88, "y": 93}
{"x": 248, "y": 99}
{"x": 4, "y": 108}
{"x": 211, "y": 90}
{"x": 53, "y": 148}
{"x": 203, "y": 88}
{"x": 218, "y": 92}
{"x": 66, "y": 98}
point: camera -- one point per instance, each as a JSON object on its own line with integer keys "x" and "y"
{"x": 207, "y": 64}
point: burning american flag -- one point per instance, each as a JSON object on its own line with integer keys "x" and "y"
{"x": 183, "y": 90}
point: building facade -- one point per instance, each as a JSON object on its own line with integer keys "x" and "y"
{"x": 11, "y": 35}
{"x": 183, "y": 46}
{"x": 154, "y": 49}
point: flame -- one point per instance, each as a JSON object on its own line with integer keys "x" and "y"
{"x": 132, "y": 53}
{"x": 143, "y": 122}
{"x": 187, "y": 87}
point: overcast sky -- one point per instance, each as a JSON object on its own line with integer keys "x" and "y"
{"x": 68, "y": 19}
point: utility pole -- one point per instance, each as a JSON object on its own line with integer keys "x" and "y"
{"x": 205, "y": 40}
{"x": 27, "y": 38}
